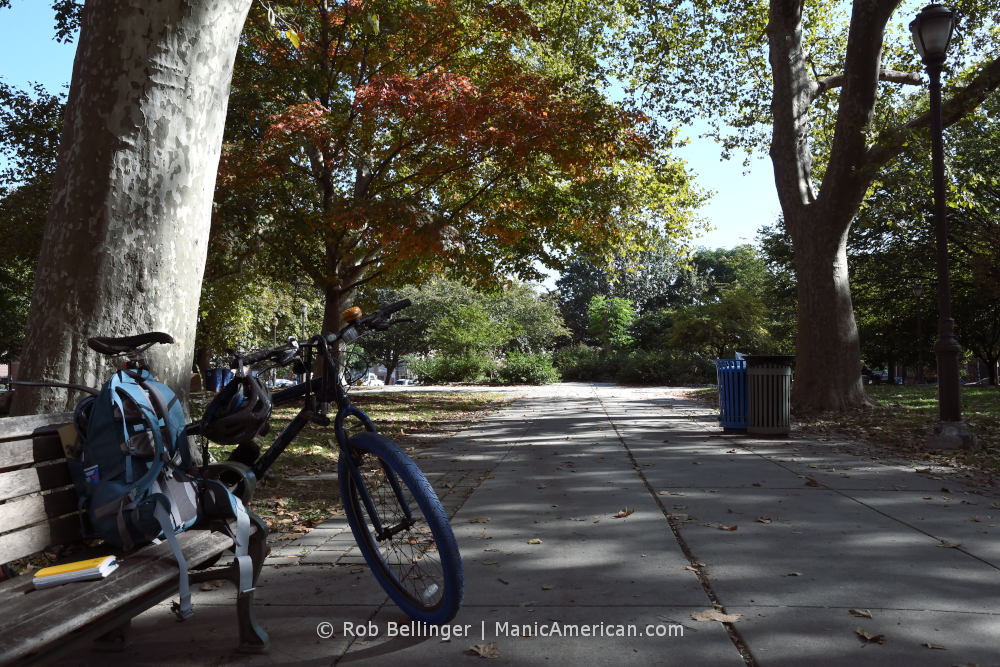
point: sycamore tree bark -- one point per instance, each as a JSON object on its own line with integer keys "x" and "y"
{"x": 828, "y": 357}
{"x": 127, "y": 228}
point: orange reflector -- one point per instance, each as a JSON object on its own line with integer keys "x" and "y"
{"x": 351, "y": 314}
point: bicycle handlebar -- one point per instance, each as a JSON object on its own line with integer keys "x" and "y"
{"x": 284, "y": 354}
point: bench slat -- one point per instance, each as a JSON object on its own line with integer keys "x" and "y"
{"x": 38, "y": 537}
{"x": 32, "y": 619}
{"x": 26, "y": 511}
{"x": 44, "y": 447}
{"x": 12, "y": 428}
{"x": 17, "y": 483}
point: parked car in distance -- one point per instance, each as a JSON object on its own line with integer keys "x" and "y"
{"x": 370, "y": 380}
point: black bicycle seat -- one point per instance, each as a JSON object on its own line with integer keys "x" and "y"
{"x": 123, "y": 344}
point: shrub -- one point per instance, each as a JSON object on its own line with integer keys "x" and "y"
{"x": 582, "y": 362}
{"x": 528, "y": 369}
{"x": 662, "y": 367}
{"x": 665, "y": 368}
{"x": 452, "y": 368}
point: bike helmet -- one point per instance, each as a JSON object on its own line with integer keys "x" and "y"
{"x": 238, "y": 412}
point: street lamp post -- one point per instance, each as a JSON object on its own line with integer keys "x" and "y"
{"x": 304, "y": 307}
{"x": 932, "y": 29}
{"x": 274, "y": 337}
{"x": 918, "y": 378}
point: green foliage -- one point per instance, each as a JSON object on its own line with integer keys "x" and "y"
{"x": 584, "y": 363}
{"x": 236, "y": 312}
{"x": 652, "y": 279}
{"x": 660, "y": 367}
{"x": 446, "y": 368}
{"x": 651, "y": 331}
{"x": 892, "y": 248}
{"x": 30, "y": 127}
{"x": 609, "y": 320}
{"x": 737, "y": 322}
{"x": 519, "y": 368}
{"x": 467, "y": 330}
{"x": 655, "y": 367}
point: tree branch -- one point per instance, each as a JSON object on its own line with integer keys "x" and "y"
{"x": 893, "y": 76}
{"x": 963, "y": 101}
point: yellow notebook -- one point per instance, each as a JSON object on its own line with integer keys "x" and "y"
{"x": 93, "y": 568}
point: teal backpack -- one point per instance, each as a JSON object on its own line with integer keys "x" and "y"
{"x": 134, "y": 476}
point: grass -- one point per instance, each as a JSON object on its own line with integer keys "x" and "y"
{"x": 902, "y": 420}
{"x": 300, "y": 490}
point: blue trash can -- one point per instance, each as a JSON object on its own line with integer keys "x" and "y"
{"x": 732, "y": 378}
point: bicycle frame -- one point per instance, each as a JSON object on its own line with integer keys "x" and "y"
{"x": 328, "y": 387}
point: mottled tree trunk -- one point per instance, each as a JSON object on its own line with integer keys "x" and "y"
{"x": 828, "y": 351}
{"x": 127, "y": 228}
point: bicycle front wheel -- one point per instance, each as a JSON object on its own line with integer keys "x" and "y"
{"x": 402, "y": 529}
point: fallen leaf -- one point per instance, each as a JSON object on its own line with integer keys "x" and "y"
{"x": 869, "y": 637}
{"x": 948, "y": 545}
{"x": 484, "y": 536}
{"x": 722, "y": 526}
{"x": 480, "y": 519}
{"x": 484, "y": 650}
{"x": 211, "y": 585}
{"x": 764, "y": 519}
{"x": 863, "y": 613}
{"x": 624, "y": 512}
{"x": 547, "y": 587}
{"x": 811, "y": 482}
{"x": 756, "y": 484}
{"x": 503, "y": 581}
{"x": 794, "y": 574}
{"x": 930, "y": 645}
{"x": 691, "y": 568}
{"x": 534, "y": 540}
{"x": 945, "y": 489}
{"x": 709, "y": 615}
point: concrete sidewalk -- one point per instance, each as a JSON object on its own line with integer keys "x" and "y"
{"x": 648, "y": 518}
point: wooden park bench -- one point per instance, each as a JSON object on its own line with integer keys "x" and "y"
{"x": 38, "y": 513}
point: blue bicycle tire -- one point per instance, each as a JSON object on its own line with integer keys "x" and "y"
{"x": 420, "y": 567}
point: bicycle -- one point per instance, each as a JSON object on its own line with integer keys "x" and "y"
{"x": 397, "y": 519}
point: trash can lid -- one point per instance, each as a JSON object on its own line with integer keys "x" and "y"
{"x": 770, "y": 359}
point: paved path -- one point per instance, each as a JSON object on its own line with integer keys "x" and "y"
{"x": 785, "y": 537}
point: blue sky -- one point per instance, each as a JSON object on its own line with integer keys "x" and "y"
{"x": 742, "y": 203}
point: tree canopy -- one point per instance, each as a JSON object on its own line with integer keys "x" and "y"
{"x": 377, "y": 139}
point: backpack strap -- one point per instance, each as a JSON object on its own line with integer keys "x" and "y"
{"x": 121, "y": 389}
{"x": 183, "y": 609}
{"x": 219, "y": 501}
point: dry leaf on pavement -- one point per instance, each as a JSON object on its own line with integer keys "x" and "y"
{"x": 534, "y": 540}
{"x": 484, "y": 650}
{"x": 863, "y": 613}
{"x": 480, "y": 519}
{"x": 930, "y": 645}
{"x": 708, "y": 615}
{"x": 624, "y": 512}
{"x": 869, "y": 637}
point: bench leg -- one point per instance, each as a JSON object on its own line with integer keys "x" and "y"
{"x": 116, "y": 640}
{"x": 253, "y": 638}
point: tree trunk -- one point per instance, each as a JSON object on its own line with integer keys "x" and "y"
{"x": 127, "y": 228}
{"x": 828, "y": 353}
